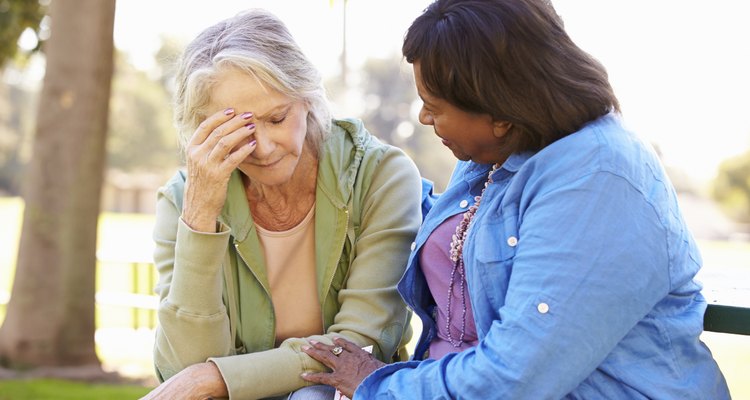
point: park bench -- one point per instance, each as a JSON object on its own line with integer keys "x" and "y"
{"x": 727, "y": 319}
{"x": 718, "y": 317}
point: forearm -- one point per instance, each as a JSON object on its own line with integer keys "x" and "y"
{"x": 183, "y": 340}
{"x": 271, "y": 372}
{"x": 199, "y": 381}
{"x": 193, "y": 323}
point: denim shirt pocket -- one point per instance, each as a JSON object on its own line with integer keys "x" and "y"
{"x": 495, "y": 248}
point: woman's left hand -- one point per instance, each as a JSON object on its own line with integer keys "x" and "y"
{"x": 349, "y": 368}
{"x": 196, "y": 382}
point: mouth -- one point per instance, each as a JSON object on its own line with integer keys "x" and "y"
{"x": 446, "y": 143}
{"x": 268, "y": 164}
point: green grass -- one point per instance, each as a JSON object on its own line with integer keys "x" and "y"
{"x": 53, "y": 389}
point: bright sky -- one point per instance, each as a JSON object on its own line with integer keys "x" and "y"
{"x": 679, "y": 67}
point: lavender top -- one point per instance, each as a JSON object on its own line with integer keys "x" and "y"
{"x": 437, "y": 266}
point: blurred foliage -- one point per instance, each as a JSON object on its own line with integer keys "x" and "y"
{"x": 15, "y": 17}
{"x": 141, "y": 136}
{"x": 17, "y": 111}
{"x": 167, "y": 58}
{"x": 143, "y": 139}
{"x": 732, "y": 187}
{"x": 388, "y": 95}
{"x": 389, "y": 110}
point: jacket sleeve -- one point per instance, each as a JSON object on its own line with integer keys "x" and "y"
{"x": 371, "y": 310}
{"x": 371, "y": 307}
{"x": 193, "y": 322}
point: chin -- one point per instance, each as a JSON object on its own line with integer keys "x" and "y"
{"x": 273, "y": 179}
{"x": 267, "y": 177}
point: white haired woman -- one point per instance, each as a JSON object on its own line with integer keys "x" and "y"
{"x": 287, "y": 227}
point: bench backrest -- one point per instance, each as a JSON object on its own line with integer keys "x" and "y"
{"x": 727, "y": 319}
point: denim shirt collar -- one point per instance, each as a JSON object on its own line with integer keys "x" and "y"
{"x": 510, "y": 166}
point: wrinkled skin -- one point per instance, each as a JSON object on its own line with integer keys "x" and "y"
{"x": 348, "y": 369}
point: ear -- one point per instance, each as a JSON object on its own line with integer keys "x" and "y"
{"x": 500, "y": 128}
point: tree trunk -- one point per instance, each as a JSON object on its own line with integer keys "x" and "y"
{"x": 50, "y": 316}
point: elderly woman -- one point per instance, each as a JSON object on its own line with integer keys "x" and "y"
{"x": 556, "y": 264}
{"x": 287, "y": 226}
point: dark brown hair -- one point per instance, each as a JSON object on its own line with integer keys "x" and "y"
{"x": 513, "y": 60}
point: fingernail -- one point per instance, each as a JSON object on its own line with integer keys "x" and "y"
{"x": 304, "y": 374}
{"x": 252, "y": 143}
{"x": 229, "y": 111}
{"x": 312, "y": 341}
{"x": 305, "y": 347}
{"x": 247, "y": 115}
{"x": 250, "y": 126}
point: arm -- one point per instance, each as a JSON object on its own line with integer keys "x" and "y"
{"x": 193, "y": 323}
{"x": 594, "y": 251}
{"x": 188, "y": 255}
{"x": 371, "y": 311}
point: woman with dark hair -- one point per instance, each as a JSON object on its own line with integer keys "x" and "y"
{"x": 556, "y": 264}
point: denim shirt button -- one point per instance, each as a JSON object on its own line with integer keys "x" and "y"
{"x": 543, "y": 308}
{"x": 512, "y": 241}
{"x": 413, "y": 246}
{"x": 463, "y": 203}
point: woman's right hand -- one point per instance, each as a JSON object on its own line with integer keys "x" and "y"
{"x": 217, "y": 148}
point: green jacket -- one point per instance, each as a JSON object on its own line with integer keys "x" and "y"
{"x": 213, "y": 288}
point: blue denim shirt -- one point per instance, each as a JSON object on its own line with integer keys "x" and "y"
{"x": 580, "y": 270}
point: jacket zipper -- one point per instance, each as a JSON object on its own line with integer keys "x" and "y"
{"x": 338, "y": 260}
{"x": 268, "y": 293}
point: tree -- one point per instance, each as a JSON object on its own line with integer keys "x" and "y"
{"x": 50, "y": 316}
{"x": 732, "y": 187}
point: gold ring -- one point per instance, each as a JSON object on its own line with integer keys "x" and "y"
{"x": 337, "y": 350}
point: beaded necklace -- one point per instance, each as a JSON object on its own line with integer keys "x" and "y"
{"x": 457, "y": 247}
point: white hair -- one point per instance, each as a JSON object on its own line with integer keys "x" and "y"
{"x": 257, "y": 42}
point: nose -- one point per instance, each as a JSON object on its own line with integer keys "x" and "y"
{"x": 264, "y": 146}
{"x": 425, "y": 118}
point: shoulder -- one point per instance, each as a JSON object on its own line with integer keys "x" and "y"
{"x": 350, "y": 134}
{"x": 351, "y": 153}
{"x": 174, "y": 188}
{"x": 604, "y": 146}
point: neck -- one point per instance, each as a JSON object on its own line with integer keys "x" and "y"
{"x": 282, "y": 207}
